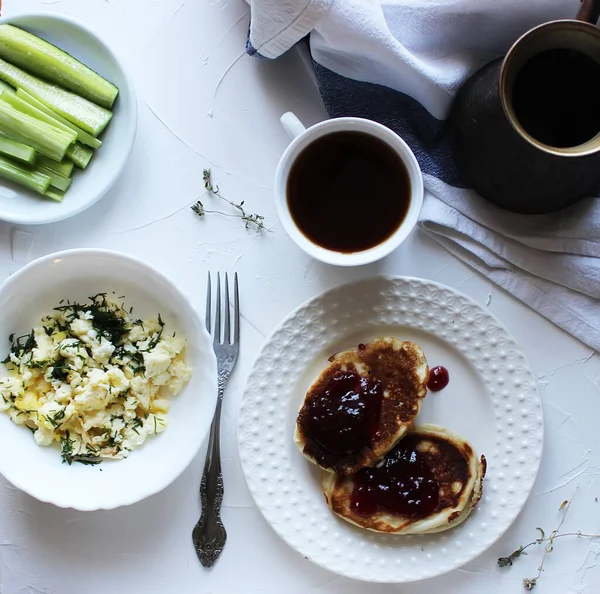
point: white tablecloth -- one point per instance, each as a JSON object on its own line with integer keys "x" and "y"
{"x": 203, "y": 103}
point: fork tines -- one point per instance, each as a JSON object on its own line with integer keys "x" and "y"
{"x": 222, "y": 332}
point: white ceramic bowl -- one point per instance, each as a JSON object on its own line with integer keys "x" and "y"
{"x": 22, "y": 206}
{"x": 31, "y": 293}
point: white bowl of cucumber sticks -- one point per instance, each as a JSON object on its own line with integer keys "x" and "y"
{"x": 68, "y": 118}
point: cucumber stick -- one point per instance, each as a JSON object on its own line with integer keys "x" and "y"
{"x": 16, "y": 150}
{"x": 53, "y": 64}
{"x": 80, "y": 155}
{"x": 34, "y": 180}
{"x": 56, "y": 181}
{"x": 54, "y": 194}
{"x": 45, "y": 139}
{"x": 79, "y": 111}
{"x": 82, "y": 135}
{"x": 64, "y": 168}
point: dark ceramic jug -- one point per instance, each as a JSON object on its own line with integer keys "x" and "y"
{"x": 502, "y": 131}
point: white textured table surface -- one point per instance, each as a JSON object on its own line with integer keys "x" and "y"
{"x": 204, "y": 103}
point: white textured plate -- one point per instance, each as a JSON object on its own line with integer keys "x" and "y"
{"x": 492, "y": 401}
{"x": 25, "y": 207}
{"x": 30, "y": 294}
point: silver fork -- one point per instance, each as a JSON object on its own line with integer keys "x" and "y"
{"x": 209, "y": 534}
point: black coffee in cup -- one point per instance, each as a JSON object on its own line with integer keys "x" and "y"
{"x": 348, "y": 191}
{"x": 556, "y": 97}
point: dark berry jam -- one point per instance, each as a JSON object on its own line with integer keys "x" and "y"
{"x": 343, "y": 418}
{"x": 402, "y": 483}
{"x": 438, "y": 378}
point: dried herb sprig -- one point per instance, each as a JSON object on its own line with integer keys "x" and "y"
{"x": 252, "y": 220}
{"x": 530, "y": 583}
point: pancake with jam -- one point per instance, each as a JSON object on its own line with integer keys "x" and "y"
{"x": 361, "y": 404}
{"x": 430, "y": 482}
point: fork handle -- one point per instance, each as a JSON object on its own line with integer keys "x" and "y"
{"x": 211, "y": 485}
{"x": 209, "y": 534}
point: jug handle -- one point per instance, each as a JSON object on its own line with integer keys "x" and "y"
{"x": 589, "y": 11}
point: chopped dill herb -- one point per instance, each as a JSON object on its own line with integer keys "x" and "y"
{"x": 104, "y": 318}
{"x": 137, "y": 423}
{"x": 160, "y": 422}
{"x": 36, "y": 364}
{"x": 156, "y": 336}
{"x": 60, "y": 370}
{"x": 66, "y": 448}
{"x": 67, "y": 453}
{"x": 55, "y": 419}
{"x": 21, "y": 346}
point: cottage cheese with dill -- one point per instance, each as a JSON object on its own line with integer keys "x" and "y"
{"x": 94, "y": 379}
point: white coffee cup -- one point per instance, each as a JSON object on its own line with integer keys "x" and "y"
{"x": 301, "y": 138}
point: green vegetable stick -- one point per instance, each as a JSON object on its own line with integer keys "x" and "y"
{"x": 54, "y": 194}
{"x": 53, "y": 64}
{"x": 5, "y": 87}
{"x": 28, "y": 109}
{"x": 46, "y": 139}
{"x": 82, "y": 135}
{"x": 56, "y": 181}
{"x": 17, "y": 150}
{"x": 33, "y": 180}
{"x": 80, "y": 155}
{"x": 79, "y": 111}
{"x": 64, "y": 168}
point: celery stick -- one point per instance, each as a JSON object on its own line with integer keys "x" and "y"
{"x": 5, "y": 87}
{"x": 82, "y": 135}
{"x": 33, "y": 180}
{"x": 28, "y": 109}
{"x": 44, "y": 138}
{"x": 56, "y": 181}
{"x": 18, "y": 138}
{"x": 79, "y": 111}
{"x": 54, "y": 194}
{"x": 53, "y": 64}
{"x": 64, "y": 168}
{"x": 80, "y": 155}
{"x": 16, "y": 150}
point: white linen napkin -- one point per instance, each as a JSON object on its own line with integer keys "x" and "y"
{"x": 549, "y": 263}
{"x": 400, "y": 62}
